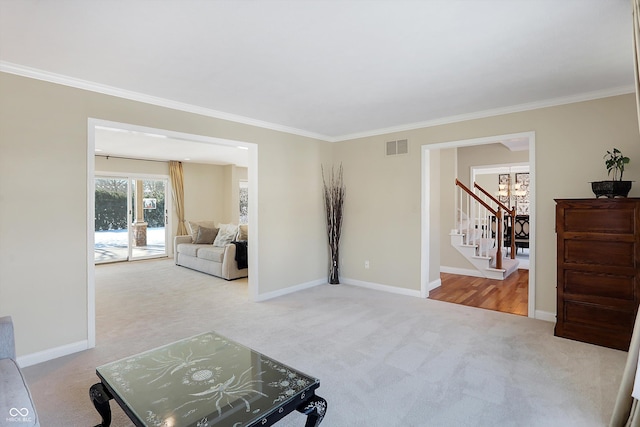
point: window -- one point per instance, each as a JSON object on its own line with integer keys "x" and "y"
{"x": 244, "y": 202}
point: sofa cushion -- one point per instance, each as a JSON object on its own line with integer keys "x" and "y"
{"x": 190, "y": 249}
{"x": 16, "y": 404}
{"x": 206, "y": 235}
{"x": 211, "y": 253}
{"x": 195, "y": 225}
{"x": 226, "y": 234}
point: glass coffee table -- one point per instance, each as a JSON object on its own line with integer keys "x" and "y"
{"x": 204, "y": 381}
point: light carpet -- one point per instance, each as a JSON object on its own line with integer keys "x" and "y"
{"x": 382, "y": 359}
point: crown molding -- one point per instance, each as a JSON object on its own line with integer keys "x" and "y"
{"x": 588, "y": 96}
{"x": 37, "y": 74}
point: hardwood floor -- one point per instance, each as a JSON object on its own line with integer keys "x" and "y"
{"x": 508, "y": 296}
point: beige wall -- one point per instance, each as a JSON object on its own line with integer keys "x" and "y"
{"x": 43, "y": 155}
{"x": 231, "y": 196}
{"x": 486, "y": 155}
{"x": 204, "y": 189}
{"x": 382, "y": 211}
{"x": 489, "y": 182}
{"x": 449, "y": 256}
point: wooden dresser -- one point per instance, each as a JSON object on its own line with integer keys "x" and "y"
{"x": 598, "y": 267}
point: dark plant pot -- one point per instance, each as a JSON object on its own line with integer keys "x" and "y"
{"x": 611, "y": 189}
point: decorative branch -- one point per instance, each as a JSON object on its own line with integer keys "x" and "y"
{"x": 334, "y": 193}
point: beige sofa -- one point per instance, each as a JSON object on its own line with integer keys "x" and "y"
{"x": 208, "y": 249}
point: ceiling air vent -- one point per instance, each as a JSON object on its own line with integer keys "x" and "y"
{"x": 400, "y": 146}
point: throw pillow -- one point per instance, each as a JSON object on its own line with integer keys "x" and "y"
{"x": 243, "y": 232}
{"x": 226, "y": 234}
{"x": 206, "y": 235}
{"x": 195, "y": 225}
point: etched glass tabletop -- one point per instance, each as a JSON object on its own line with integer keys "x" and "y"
{"x": 206, "y": 380}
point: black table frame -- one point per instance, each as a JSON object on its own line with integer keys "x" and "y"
{"x": 305, "y": 401}
{"x": 310, "y": 404}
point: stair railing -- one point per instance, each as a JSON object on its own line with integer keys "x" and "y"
{"x": 479, "y": 231}
{"x": 511, "y": 212}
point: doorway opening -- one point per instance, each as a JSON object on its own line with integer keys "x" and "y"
{"x": 432, "y": 229}
{"x": 167, "y": 143}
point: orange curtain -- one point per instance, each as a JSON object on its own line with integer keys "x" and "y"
{"x": 177, "y": 182}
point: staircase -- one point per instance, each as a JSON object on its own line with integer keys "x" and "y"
{"x": 479, "y": 233}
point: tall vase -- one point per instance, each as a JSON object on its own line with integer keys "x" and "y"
{"x": 334, "y": 278}
{"x": 333, "y": 203}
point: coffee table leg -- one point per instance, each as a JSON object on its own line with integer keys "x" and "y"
{"x": 314, "y": 409}
{"x": 100, "y": 398}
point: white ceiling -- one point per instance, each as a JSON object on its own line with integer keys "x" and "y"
{"x": 332, "y": 69}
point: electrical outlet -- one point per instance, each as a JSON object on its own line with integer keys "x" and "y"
{"x": 366, "y": 264}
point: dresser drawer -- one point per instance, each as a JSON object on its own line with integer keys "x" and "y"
{"x": 598, "y": 252}
{"x": 580, "y": 282}
{"x": 600, "y": 219}
{"x": 597, "y": 316}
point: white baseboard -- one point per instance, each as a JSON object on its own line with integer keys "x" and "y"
{"x": 290, "y": 290}
{"x": 545, "y": 315}
{"x": 431, "y": 286}
{"x": 379, "y": 287}
{"x": 461, "y": 271}
{"x": 52, "y": 353}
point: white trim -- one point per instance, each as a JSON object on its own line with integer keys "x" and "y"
{"x": 52, "y": 353}
{"x": 252, "y": 177}
{"x": 496, "y": 169}
{"x": 545, "y": 315}
{"x": 589, "y": 96}
{"x": 47, "y": 76}
{"x": 433, "y": 285}
{"x": 91, "y": 237}
{"x": 460, "y": 271}
{"x": 425, "y": 230}
{"x": 383, "y": 288}
{"x": 532, "y": 225}
{"x": 290, "y": 289}
{"x": 532, "y": 191}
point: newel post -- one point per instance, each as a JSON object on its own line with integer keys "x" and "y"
{"x": 499, "y": 238}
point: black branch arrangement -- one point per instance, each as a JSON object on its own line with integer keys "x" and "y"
{"x": 334, "y": 192}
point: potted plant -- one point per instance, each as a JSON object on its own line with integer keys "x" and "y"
{"x": 616, "y": 187}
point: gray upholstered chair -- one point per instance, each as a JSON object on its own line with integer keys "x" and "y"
{"x": 16, "y": 404}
